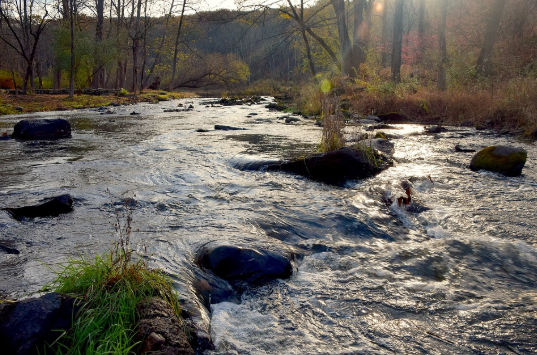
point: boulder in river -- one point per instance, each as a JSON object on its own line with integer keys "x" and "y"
{"x": 338, "y": 166}
{"x": 42, "y": 129}
{"x": 252, "y": 265}
{"x": 505, "y": 160}
{"x": 26, "y": 326}
{"x": 51, "y": 208}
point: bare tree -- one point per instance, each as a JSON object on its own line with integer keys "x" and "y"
{"x": 397, "y": 46}
{"x": 305, "y": 28}
{"x": 136, "y": 36}
{"x": 98, "y": 71}
{"x": 441, "y": 84}
{"x": 384, "y": 33}
{"x": 72, "y": 32}
{"x": 421, "y": 31}
{"x": 345, "y": 49}
{"x": 483, "y": 65}
{"x": 176, "y": 46}
{"x": 22, "y": 23}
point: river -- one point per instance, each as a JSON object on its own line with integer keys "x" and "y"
{"x": 459, "y": 277}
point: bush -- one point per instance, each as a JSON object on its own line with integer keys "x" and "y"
{"x": 122, "y": 92}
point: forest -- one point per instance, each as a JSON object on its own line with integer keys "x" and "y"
{"x": 477, "y": 50}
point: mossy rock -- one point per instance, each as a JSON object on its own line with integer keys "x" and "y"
{"x": 508, "y": 161}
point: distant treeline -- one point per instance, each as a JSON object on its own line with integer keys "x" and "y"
{"x": 76, "y": 44}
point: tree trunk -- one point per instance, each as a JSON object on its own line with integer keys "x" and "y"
{"x": 162, "y": 40}
{"x": 306, "y": 43}
{"x": 176, "y": 47}
{"x": 39, "y": 76}
{"x": 421, "y": 31}
{"x": 345, "y": 50}
{"x": 98, "y": 71}
{"x": 57, "y": 79}
{"x": 72, "y": 29}
{"x": 385, "y": 58}
{"x": 483, "y": 65}
{"x": 358, "y": 43}
{"x": 136, "y": 48}
{"x": 441, "y": 84}
{"x": 397, "y": 46}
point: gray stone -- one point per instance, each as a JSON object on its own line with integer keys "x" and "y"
{"x": 252, "y": 265}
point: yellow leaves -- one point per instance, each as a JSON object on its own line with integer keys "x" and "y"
{"x": 285, "y": 16}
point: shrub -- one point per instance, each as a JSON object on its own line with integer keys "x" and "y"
{"x": 122, "y": 92}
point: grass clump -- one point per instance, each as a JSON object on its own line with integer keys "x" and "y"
{"x": 332, "y": 137}
{"x": 110, "y": 287}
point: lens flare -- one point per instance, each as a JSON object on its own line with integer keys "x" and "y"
{"x": 326, "y": 86}
{"x": 379, "y": 6}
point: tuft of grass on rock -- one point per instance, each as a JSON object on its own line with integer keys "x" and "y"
{"x": 109, "y": 287}
{"x": 332, "y": 137}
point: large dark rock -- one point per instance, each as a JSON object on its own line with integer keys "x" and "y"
{"x": 26, "y": 326}
{"x": 51, "y": 208}
{"x": 255, "y": 266}
{"x": 42, "y": 129}
{"x": 505, "y": 160}
{"x": 160, "y": 331}
{"x": 337, "y": 167}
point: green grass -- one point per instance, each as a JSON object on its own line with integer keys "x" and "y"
{"x": 109, "y": 287}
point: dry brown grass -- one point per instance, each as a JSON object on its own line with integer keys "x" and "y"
{"x": 332, "y": 136}
{"x": 511, "y": 106}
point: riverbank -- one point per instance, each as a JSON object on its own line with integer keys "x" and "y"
{"x": 509, "y": 108}
{"x": 15, "y": 104}
{"x": 505, "y": 109}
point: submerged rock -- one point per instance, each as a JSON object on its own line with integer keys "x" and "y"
{"x": 51, "y": 208}
{"x": 505, "y": 160}
{"x": 42, "y": 129}
{"x": 435, "y": 129}
{"x": 254, "y": 266}
{"x": 220, "y": 127}
{"x": 338, "y": 166}
{"x": 212, "y": 289}
{"x": 460, "y": 149}
{"x": 289, "y": 120}
{"x": 381, "y": 144}
{"x": 26, "y": 326}
{"x": 159, "y": 329}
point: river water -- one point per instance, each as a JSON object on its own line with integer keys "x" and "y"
{"x": 457, "y": 278}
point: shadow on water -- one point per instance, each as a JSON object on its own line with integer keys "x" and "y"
{"x": 269, "y": 144}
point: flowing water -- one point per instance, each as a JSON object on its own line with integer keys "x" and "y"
{"x": 456, "y": 277}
